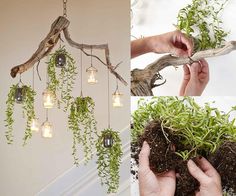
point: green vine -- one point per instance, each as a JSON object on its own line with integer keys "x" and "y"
{"x": 82, "y": 123}
{"x": 201, "y": 20}
{"x": 109, "y": 160}
{"x": 200, "y": 129}
{"x": 28, "y": 109}
{"x": 63, "y": 82}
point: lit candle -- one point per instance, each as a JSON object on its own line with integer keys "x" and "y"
{"x": 92, "y": 79}
{"x": 117, "y": 100}
{"x": 48, "y": 99}
{"x": 92, "y": 75}
{"x": 34, "y": 125}
{"x": 47, "y": 130}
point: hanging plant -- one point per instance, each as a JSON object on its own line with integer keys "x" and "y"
{"x": 62, "y": 83}
{"x": 82, "y": 123}
{"x": 109, "y": 154}
{"x": 23, "y": 95}
{"x": 201, "y": 20}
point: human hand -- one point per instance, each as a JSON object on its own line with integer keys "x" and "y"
{"x": 196, "y": 77}
{"x": 175, "y": 42}
{"x": 207, "y": 176}
{"x": 151, "y": 184}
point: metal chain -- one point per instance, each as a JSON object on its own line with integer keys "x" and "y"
{"x": 91, "y": 56}
{"x": 64, "y": 8}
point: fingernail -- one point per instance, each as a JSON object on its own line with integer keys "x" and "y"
{"x": 190, "y": 163}
{"x": 145, "y": 143}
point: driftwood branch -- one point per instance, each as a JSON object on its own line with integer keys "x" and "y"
{"x": 99, "y": 47}
{"x": 61, "y": 25}
{"x": 143, "y": 80}
{"x": 45, "y": 46}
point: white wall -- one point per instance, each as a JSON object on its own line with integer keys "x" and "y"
{"x": 24, "y": 23}
{"x": 151, "y": 17}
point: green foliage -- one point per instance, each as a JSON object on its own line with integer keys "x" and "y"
{"x": 63, "y": 82}
{"x": 82, "y": 123}
{"x": 28, "y": 110}
{"x": 200, "y": 129}
{"x": 9, "y": 114}
{"x": 201, "y": 20}
{"x": 109, "y": 160}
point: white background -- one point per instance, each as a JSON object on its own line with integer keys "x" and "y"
{"x": 152, "y": 17}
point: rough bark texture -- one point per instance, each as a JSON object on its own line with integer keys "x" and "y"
{"x": 61, "y": 25}
{"x": 143, "y": 80}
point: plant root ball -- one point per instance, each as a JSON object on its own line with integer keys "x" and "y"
{"x": 163, "y": 144}
{"x": 224, "y": 160}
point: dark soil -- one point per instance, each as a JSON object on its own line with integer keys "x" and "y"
{"x": 163, "y": 145}
{"x": 224, "y": 160}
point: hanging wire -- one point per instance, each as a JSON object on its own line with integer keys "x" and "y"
{"x": 37, "y": 68}
{"x": 108, "y": 96}
{"x": 47, "y": 84}
{"x": 20, "y": 81}
{"x": 64, "y": 8}
{"x": 117, "y": 88}
{"x": 46, "y": 114}
{"x": 81, "y": 75}
{"x": 91, "y": 56}
{"x": 33, "y": 79}
{"x": 47, "y": 77}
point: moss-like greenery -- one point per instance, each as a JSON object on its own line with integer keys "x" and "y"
{"x": 82, "y": 123}
{"x": 62, "y": 83}
{"x": 28, "y": 110}
{"x": 109, "y": 160}
{"x": 201, "y": 20}
{"x": 201, "y": 129}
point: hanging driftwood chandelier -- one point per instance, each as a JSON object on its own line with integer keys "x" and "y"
{"x": 59, "y": 26}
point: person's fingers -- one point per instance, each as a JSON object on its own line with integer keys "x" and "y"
{"x": 194, "y": 70}
{"x": 205, "y": 66}
{"x": 196, "y": 172}
{"x": 207, "y": 167}
{"x": 185, "y": 80}
{"x": 177, "y": 51}
{"x": 170, "y": 174}
{"x": 186, "y": 69}
{"x": 188, "y": 42}
{"x": 144, "y": 156}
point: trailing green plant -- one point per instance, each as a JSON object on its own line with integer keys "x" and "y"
{"x": 200, "y": 129}
{"x": 28, "y": 111}
{"x": 62, "y": 83}
{"x": 109, "y": 160}
{"x": 201, "y": 20}
{"x": 83, "y": 125}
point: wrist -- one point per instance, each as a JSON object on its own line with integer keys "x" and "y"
{"x": 153, "y": 44}
{"x": 147, "y": 43}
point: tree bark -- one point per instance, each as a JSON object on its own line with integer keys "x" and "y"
{"x": 143, "y": 80}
